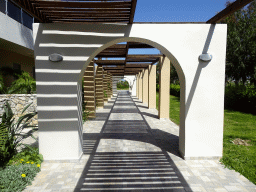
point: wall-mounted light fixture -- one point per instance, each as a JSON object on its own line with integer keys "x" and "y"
{"x": 55, "y": 57}
{"x": 205, "y": 57}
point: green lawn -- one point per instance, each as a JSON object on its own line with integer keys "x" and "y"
{"x": 236, "y": 125}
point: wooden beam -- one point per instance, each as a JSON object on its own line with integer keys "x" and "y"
{"x": 80, "y": 4}
{"x": 134, "y": 3}
{"x": 233, "y": 7}
{"x": 110, "y": 62}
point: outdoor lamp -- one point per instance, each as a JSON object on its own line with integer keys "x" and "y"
{"x": 205, "y": 57}
{"x": 55, "y": 57}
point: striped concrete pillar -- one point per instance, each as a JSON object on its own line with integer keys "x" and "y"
{"x": 105, "y": 86}
{"x": 137, "y": 85}
{"x": 89, "y": 90}
{"x": 99, "y": 95}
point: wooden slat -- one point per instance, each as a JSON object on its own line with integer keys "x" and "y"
{"x": 134, "y": 3}
{"x": 233, "y": 7}
{"x": 80, "y": 4}
{"x": 110, "y": 62}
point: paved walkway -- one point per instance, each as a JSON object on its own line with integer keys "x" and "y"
{"x": 127, "y": 148}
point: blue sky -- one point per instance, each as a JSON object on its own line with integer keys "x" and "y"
{"x": 177, "y": 11}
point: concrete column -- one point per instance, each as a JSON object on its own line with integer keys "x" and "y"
{"x": 89, "y": 90}
{"x": 164, "y": 88}
{"x": 105, "y": 85}
{"x": 108, "y": 85}
{"x": 99, "y": 96}
{"x": 145, "y": 86}
{"x": 137, "y": 85}
{"x": 111, "y": 85}
{"x": 152, "y": 87}
{"x": 140, "y": 85}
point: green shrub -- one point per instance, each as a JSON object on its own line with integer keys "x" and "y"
{"x": 28, "y": 154}
{"x": 157, "y": 87}
{"x": 25, "y": 84}
{"x": 17, "y": 177}
{"x": 175, "y": 90}
{"x": 241, "y": 98}
{"x": 10, "y": 132}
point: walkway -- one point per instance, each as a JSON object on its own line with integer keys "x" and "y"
{"x": 127, "y": 148}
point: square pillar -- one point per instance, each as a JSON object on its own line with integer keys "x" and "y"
{"x": 105, "y": 85}
{"x": 164, "y": 88}
{"x": 140, "y": 86}
{"x": 108, "y": 86}
{"x": 152, "y": 87}
{"x": 111, "y": 84}
{"x": 137, "y": 85}
{"x": 99, "y": 96}
{"x": 89, "y": 90}
{"x": 145, "y": 86}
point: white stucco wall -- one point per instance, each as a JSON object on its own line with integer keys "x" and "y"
{"x": 202, "y": 83}
{"x": 15, "y": 32}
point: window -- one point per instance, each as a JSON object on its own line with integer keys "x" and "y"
{"x": 14, "y": 11}
{"x": 2, "y": 6}
{"x": 27, "y": 20}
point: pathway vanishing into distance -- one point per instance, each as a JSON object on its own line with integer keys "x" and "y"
{"x": 127, "y": 148}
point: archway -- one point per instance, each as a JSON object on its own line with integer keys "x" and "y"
{"x": 175, "y": 64}
{"x": 59, "y": 83}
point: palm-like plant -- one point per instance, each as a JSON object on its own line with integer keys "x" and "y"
{"x": 10, "y": 131}
{"x": 25, "y": 84}
{"x": 2, "y": 87}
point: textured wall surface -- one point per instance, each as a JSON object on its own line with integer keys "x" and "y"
{"x": 18, "y": 102}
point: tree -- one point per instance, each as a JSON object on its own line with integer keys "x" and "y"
{"x": 241, "y": 44}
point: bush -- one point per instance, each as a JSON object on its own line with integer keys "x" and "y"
{"x": 17, "y": 177}
{"x": 175, "y": 90}
{"x": 241, "y": 98}
{"x": 10, "y": 132}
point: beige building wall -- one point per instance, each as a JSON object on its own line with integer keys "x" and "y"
{"x": 152, "y": 87}
{"x": 164, "y": 88}
{"x": 8, "y": 58}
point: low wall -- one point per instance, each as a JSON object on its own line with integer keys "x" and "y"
{"x": 18, "y": 102}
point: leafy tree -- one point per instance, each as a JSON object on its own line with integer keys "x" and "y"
{"x": 241, "y": 44}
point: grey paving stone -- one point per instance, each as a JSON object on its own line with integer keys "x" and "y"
{"x": 134, "y": 151}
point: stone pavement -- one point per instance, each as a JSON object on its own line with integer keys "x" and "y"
{"x": 127, "y": 148}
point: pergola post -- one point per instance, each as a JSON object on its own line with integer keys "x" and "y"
{"x": 137, "y": 85}
{"x": 99, "y": 87}
{"x": 89, "y": 90}
{"x": 140, "y": 85}
{"x": 105, "y": 85}
{"x": 111, "y": 85}
{"x": 145, "y": 86}
{"x": 164, "y": 88}
{"x": 152, "y": 87}
{"x": 108, "y": 85}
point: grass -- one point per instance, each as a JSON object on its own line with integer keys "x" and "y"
{"x": 122, "y": 88}
{"x": 241, "y": 158}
